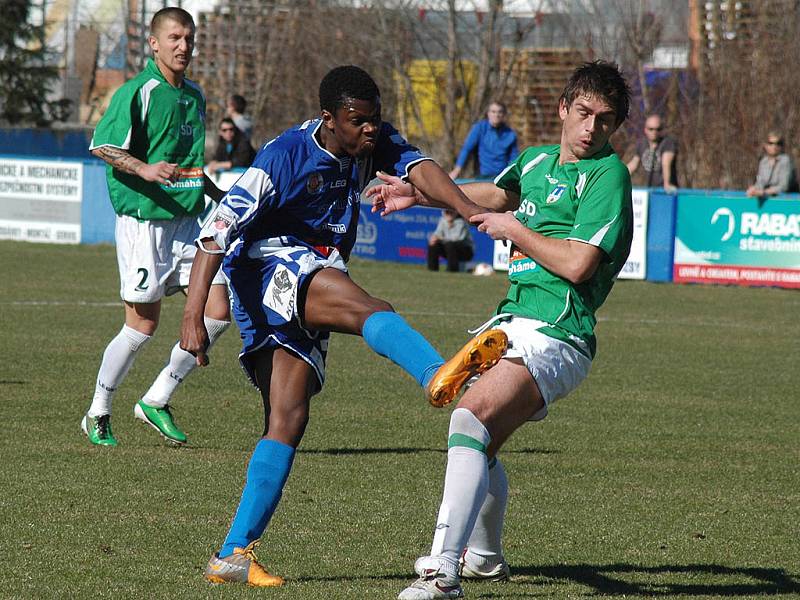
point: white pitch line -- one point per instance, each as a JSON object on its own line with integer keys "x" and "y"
{"x": 477, "y": 316}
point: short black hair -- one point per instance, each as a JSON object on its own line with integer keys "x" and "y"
{"x": 602, "y": 80}
{"x": 346, "y": 83}
{"x": 239, "y": 103}
{"x": 171, "y": 13}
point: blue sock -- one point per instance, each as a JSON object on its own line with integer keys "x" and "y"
{"x": 388, "y": 334}
{"x": 266, "y": 475}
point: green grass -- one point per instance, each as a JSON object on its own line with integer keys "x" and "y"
{"x": 673, "y": 471}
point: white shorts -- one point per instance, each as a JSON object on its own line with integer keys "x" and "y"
{"x": 557, "y": 367}
{"x": 155, "y": 257}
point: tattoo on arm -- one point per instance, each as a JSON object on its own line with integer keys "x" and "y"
{"x": 119, "y": 159}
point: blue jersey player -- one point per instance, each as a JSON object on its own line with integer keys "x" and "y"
{"x": 285, "y": 230}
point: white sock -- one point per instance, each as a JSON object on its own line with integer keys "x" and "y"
{"x": 465, "y": 487}
{"x": 117, "y": 360}
{"x": 485, "y": 544}
{"x": 180, "y": 364}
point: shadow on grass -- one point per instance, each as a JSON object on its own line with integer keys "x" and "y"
{"x": 615, "y": 579}
{"x": 610, "y": 580}
{"x": 345, "y": 451}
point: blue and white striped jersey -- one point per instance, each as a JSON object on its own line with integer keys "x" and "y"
{"x": 296, "y": 193}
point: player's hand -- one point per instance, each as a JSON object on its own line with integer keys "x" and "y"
{"x": 161, "y": 172}
{"x": 498, "y": 226}
{"x": 194, "y": 339}
{"x": 392, "y": 195}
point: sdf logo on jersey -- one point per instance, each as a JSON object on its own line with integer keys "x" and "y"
{"x": 279, "y": 296}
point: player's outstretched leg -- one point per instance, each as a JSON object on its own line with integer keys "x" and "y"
{"x": 478, "y": 355}
{"x": 153, "y": 409}
{"x": 389, "y": 335}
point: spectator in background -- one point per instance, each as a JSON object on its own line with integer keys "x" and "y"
{"x": 494, "y": 141}
{"x": 657, "y": 153}
{"x": 235, "y": 111}
{"x": 776, "y": 172}
{"x": 451, "y": 240}
{"x": 233, "y": 149}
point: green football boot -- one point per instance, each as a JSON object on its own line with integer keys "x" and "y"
{"x": 161, "y": 420}
{"x": 98, "y": 430}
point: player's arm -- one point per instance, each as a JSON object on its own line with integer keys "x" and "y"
{"x": 573, "y": 260}
{"x": 488, "y": 195}
{"x": 394, "y": 194}
{"x": 122, "y": 160}
{"x": 435, "y": 188}
{"x": 194, "y": 337}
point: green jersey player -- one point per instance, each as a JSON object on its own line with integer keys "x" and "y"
{"x": 152, "y": 136}
{"x": 566, "y": 210}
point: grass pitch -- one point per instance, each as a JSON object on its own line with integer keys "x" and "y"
{"x": 672, "y": 472}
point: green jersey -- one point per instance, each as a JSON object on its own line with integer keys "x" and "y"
{"x": 588, "y": 200}
{"x": 155, "y": 121}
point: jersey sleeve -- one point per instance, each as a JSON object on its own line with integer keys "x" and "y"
{"x": 605, "y": 216}
{"x": 261, "y": 189}
{"x": 394, "y": 155}
{"x": 123, "y": 114}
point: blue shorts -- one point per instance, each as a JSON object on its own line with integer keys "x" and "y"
{"x": 265, "y": 289}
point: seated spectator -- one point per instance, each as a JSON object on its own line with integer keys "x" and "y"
{"x": 233, "y": 150}
{"x": 657, "y": 154}
{"x": 451, "y": 240}
{"x": 776, "y": 172}
{"x": 493, "y": 140}
{"x": 235, "y": 110}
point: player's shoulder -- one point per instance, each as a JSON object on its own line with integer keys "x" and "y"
{"x": 290, "y": 147}
{"x": 606, "y": 161}
{"x": 536, "y": 154}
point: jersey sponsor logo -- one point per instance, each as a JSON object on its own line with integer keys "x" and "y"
{"x": 550, "y": 179}
{"x": 556, "y": 194}
{"x": 339, "y": 183}
{"x": 519, "y": 262}
{"x": 314, "y": 183}
{"x": 337, "y": 227}
{"x": 526, "y": 207}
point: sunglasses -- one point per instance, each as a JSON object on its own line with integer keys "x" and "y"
{"x": 771, "y": 143}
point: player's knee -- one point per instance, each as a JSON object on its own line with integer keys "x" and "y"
{"x": 288, "y": 425}
{"x": 467, "y": 430}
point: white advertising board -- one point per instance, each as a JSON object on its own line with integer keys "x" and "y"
{"x": 40, "y": 200}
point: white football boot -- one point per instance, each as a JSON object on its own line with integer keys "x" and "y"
{"x": 433, "y": 584}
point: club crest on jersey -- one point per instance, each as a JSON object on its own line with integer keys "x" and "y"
{"x": 314, "y": 183}
{"x": 557, "y": 192}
